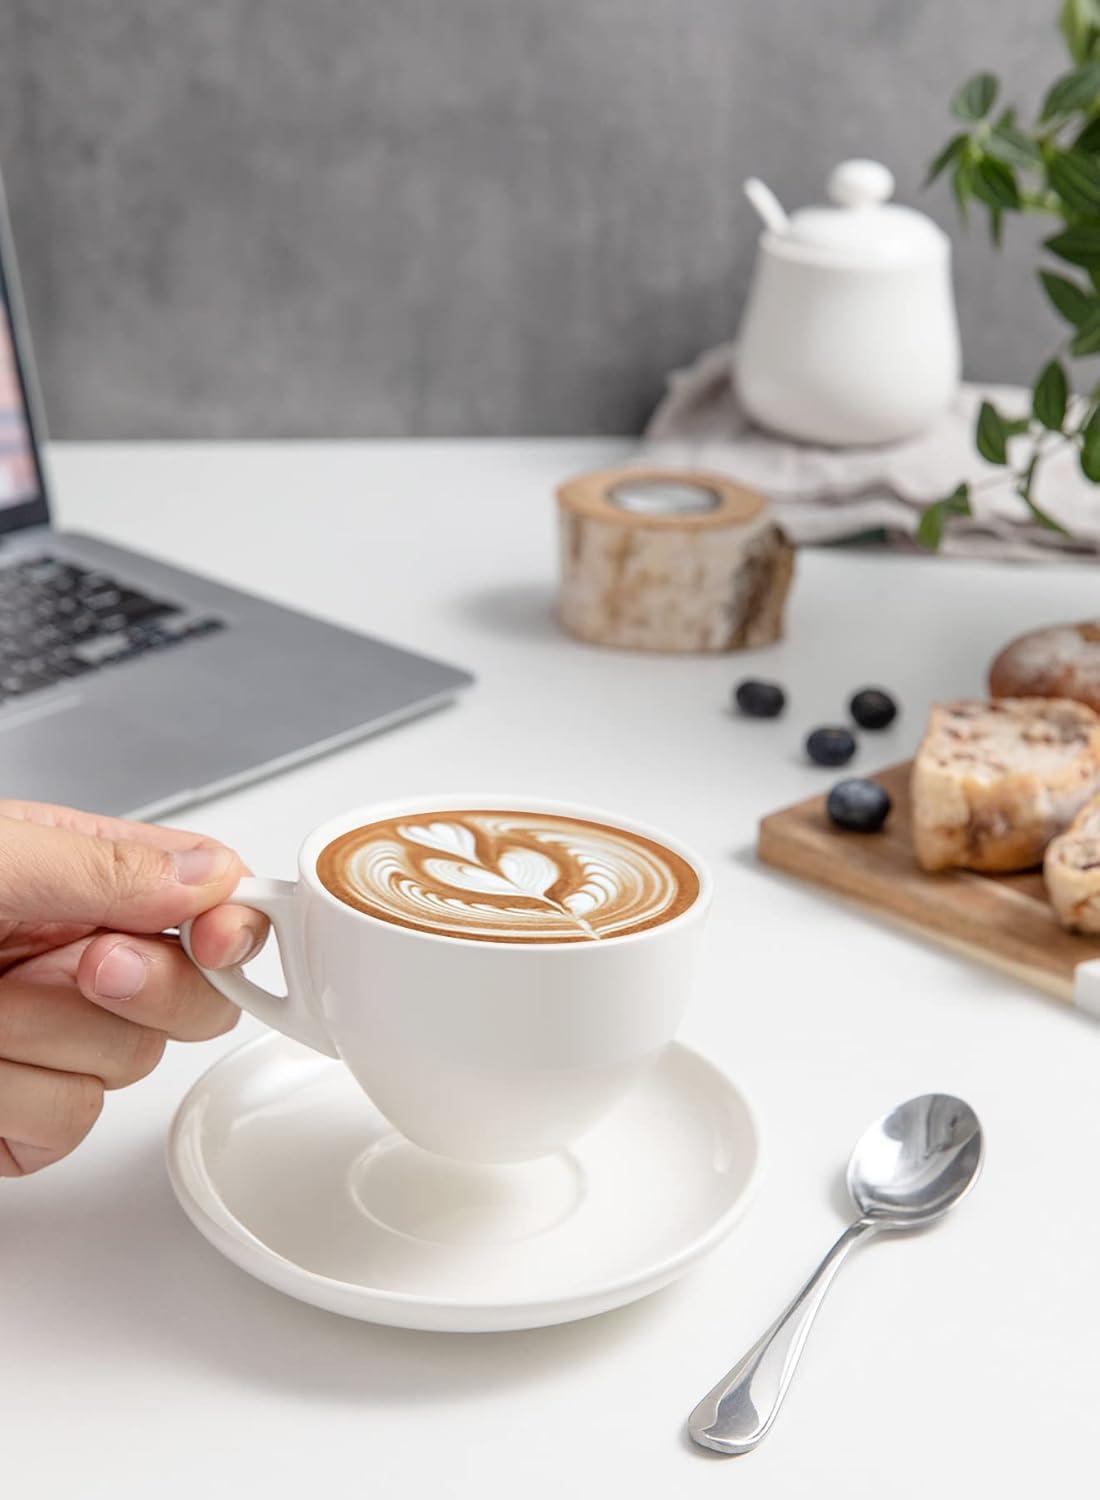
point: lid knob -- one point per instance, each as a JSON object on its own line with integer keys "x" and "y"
{"x": 860, "y": 183}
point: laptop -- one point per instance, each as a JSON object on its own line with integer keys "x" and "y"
{"x": 128, "y": 686}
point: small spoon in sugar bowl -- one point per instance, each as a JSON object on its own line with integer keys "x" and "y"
{"x": 906, "y": 1171}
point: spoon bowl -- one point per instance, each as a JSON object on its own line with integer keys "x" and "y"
{"x": 915, "y": 1163}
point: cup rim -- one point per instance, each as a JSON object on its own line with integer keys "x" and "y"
{"x": 324, "y": 833}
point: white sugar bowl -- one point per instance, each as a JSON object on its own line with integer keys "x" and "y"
{"x": 849, "y": 334}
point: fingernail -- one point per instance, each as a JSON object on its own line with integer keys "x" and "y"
{"x": 248, "y": 944}
{"x": 201, "y": 866}
{"x": 120, "y": 974}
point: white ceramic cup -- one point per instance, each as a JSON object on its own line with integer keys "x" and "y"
{"x": 482, "y": 1051}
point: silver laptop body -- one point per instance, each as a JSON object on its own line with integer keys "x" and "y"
{"x": 129, "y": 686}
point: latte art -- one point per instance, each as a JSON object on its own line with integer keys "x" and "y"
{"x": 509, "y": 877}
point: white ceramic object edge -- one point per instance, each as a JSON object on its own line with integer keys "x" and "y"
{"x": 199, "y": 1198}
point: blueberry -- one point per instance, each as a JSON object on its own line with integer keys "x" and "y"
{"x": 831, "y": 746}
{"x": 760, "y": 700}
{"x": 873, "y": 709}
{"x": 858, "y": 805}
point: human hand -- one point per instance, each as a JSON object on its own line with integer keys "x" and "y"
{"x": 90, "y": 988}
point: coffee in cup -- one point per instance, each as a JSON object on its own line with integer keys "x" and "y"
{"x": 506, "y": 876}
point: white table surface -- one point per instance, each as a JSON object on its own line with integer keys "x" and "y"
{"x": 134, "y": 1361}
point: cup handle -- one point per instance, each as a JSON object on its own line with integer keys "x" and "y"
{"x": 290, "y": 1013}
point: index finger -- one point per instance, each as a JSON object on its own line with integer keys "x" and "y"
{"x": 222, "y": 937}
{"x": 98, "y": 825}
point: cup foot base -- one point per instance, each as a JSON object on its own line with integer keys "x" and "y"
{"x": 427, "y": 1197}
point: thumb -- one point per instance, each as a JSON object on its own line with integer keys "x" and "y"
{"x": 56, "y": 875}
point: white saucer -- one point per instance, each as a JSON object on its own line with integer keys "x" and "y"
{"x": 286, "y": 1167}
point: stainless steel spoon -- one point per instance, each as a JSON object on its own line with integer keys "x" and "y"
{"x": 906, "y": 1171}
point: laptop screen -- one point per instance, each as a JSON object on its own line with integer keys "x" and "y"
{"x": 18, "y": 470}
{"x": 22, "y": 492}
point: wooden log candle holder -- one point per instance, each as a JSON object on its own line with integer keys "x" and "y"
{"x": 670, "y": 560}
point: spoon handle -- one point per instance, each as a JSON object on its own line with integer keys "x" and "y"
{"x": 738, "y": 1412}
{"x": 767, "y": 205}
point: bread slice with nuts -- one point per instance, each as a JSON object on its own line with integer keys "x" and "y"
{"x": 993, "y": 783}
{"x": 1072, "y": 871}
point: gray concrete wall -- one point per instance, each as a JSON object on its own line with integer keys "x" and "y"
{"x": 357, "y": 217}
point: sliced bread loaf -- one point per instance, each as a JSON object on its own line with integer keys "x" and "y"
{"x": 1061, "y": 661}
{"x": 1072, "y": 871}
{"x": 993, "y": 783}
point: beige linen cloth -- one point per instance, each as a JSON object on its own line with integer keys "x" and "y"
{"x": 841, "y": 494}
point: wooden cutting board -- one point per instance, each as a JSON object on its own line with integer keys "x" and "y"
{"x": 1001, "y": 920}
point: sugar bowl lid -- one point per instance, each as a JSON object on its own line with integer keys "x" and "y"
{"x": 858, "y": 226}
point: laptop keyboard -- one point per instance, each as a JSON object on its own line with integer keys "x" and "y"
{"x": 59, "y": 622}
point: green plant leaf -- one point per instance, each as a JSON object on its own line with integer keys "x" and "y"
{"x": 1090, "y": 459}
{"x": 1076, "y": 180}
{"x": 1080, "y": 245}
{"x": 995, "y": 184}
{"x": 1087, "y": 338}
{"x": 991, "y": 435}
{"x": 1050, "y": 396}
{"x": 975, "y": 99}
{"x": 1014, "y": 145}
{"x": 1090, "y": 446}
{"x": 1076, "y": 91}
{"x": 931, "y": 524}
{"x": 1079, "y": 23}
{"x": 954, "y": 148}
{"x": 1070, "y": 300}
{"x": 1088, "y": 142}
